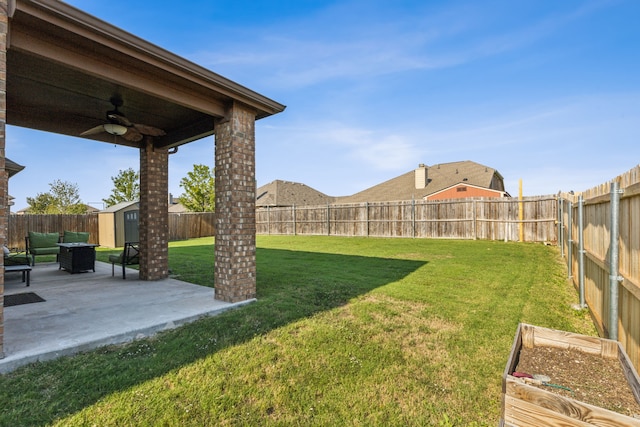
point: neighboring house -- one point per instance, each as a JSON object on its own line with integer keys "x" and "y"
{"x": 285, "y": 193}
{"x": 443, "y": 181}
{"x": 177, "y": 208}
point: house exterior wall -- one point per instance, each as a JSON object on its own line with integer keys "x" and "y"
{"x": 462, "y": 191}
{"x": 235, "y": 241}
{"x": 4, "y": 176}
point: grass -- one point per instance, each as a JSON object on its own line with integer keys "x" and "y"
{"x": 346, "y": 331}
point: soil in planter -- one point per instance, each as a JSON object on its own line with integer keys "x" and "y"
{"x": 592, "y": 379}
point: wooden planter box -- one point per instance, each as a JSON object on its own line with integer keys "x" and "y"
{"x": 527, "y": 405}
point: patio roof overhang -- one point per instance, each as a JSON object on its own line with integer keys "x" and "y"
{"x": 64, "y": 65}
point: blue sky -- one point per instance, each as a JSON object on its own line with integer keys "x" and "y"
{"x": 545, "y": 91}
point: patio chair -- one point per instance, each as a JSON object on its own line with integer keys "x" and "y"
{"x": 75, "y": 237}
{"x": 129, "y": 256}
{"x": 15, "y": 258}
{"x": 17, "y": 262}
{"x": 42, "y": 244}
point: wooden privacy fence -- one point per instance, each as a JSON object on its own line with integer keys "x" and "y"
{"x": 600, "y": 240}
{"x": 532, "y": 219}
{"x": 20, "y": 225}
{"x": 191, "y": 225}
{"x": 181, "y": 226}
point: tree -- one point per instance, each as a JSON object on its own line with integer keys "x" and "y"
{"x": 126, "y": 187}
{"x": 199, "y": 187}
{"x": 42, "y": 203}
{"x": 63, "y": 198}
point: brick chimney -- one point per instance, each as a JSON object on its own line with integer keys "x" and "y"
{"x": 421, "y": 176}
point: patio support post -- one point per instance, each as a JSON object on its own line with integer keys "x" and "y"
{"x": 235, "y": 239}
{"x": 4, "y": 177}
{"x": 154, "y": 211}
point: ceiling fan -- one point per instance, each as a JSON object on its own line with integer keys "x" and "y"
{"x": 119, "y": 125}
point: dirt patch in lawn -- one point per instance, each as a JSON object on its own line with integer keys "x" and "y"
{"x": 581, "y": 376}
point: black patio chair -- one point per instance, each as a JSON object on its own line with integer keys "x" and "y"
{"x": 129, "y": 256}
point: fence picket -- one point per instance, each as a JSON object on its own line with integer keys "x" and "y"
{"x": 488, "y": 219}
{"x": 597, "y": 235}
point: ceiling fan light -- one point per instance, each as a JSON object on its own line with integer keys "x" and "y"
{"x": 115, "y": 129}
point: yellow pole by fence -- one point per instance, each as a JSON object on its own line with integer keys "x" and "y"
{"x": 520, "y": 213}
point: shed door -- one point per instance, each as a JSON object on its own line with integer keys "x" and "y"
{"x": 131, "y": 226}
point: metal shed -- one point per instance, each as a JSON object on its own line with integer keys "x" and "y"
{"x": 118, "y": 224}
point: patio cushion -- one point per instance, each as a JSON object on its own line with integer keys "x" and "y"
{"x": 16, "y": 258}
{"x": 130, "y": 255}
{"x": 43, "y": 243}
{"x": 75, "y": 237}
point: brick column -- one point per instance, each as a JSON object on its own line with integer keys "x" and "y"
{"x": 4, "y": 198}
{"x": 154, "y": 211}
{"x": 235, "y": 244}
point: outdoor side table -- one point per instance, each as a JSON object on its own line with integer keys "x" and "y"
{"x": 24, "y": 269}
{"x": 77, "y": 257}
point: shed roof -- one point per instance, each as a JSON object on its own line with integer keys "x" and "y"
{"x": 119, "y": 206}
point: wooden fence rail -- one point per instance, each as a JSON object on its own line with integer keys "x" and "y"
{"x": 596, "y": 256}
{"x": 490, "y": 219}
{"x": 181, "y": 226}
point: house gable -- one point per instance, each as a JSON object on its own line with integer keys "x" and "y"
{"x": 464, "y": 190}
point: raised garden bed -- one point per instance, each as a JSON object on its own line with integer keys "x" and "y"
{"x": 589, "y": 381}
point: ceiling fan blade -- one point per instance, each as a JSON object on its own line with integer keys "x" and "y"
{"x": 148, "y": 130}
{"x": 119, "y": 119}
{"x": 132, "y": 135}
{"x": 93, "y": 131}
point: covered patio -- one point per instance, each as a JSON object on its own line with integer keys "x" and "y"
{"x": 88, "y": 310}
{"x": 67, "y": 72}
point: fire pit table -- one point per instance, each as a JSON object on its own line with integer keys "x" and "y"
{"x": 77, "y": 257}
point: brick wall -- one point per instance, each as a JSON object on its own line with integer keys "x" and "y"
{"x": 462, "y": 191}
{"x": 235, "y": 242}
{"x": 4, "y": 211}
{"x": 154, "y": 216}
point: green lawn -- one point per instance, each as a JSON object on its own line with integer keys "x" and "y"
{"x": 346, "y": 331}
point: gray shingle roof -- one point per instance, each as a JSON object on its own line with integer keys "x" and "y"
{"x": 439, "y": 177}
{"x": 285, "y": 193}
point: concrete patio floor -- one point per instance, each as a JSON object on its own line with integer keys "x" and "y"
{"x": 87, "y": 310}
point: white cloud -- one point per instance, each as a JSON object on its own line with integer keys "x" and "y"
{"x": 304, "y": 53}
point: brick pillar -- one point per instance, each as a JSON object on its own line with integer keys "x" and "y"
{"x": 154, "y": 211}
{"x": 4, "y": 198}
{"x": 235, "y": 244}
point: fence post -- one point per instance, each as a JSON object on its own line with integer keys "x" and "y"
{"x": 366, "y": 216}
{"x": 570, "y": 240}
{"x": 581, "y": 250}
{"x": 328, "y": 221}
{"x": 614, "y": 277}
{"x": 413, "y": 218}
{"x": 520, "y": 214}
{"x": 475, "y": 221}
{"x": 560, "y": 227}
{"x": 293, "y": 217}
